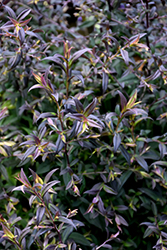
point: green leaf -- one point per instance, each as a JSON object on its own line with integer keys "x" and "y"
{"x": 67, "y": 232}
{"x": 124, "y": 177}
{"x": 80, "y": 239}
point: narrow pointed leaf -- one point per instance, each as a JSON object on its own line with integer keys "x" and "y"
{"x": 104, "y": 82}
{"x": 89, "y": 109}
{"x": 47, "y": 186}
{"x": 125, "y": 153}
{"x": 23, "y": 14}
{"x": 141, "y": 162}
{"x": 125, "y": 56}
{"x": 132, "y": 101}
{"x": 67, "y": 221}
{"x": 116, "y": 141}
{"x": 109, "y": 190}
{"x": 78, "y": 104}
{"x": 39, "y": 214}
{"x": 123, "y": 100}
{"x": 78, "y": 54}
{"x": 47, "y": 177}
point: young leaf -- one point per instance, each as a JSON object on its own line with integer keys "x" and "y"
{"x": 131, "y": 102}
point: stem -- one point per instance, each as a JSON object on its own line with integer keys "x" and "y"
{"x": 67, "y": 81}
{"x": 147, "y": 24}
{"x": 50, "y": 216}
{"x": 109, "y": 5}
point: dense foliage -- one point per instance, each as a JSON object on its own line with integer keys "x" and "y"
{"x": 83, "y": 124}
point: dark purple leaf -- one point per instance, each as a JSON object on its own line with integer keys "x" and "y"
{"x": 79, "y": 106}
{"x": 47, "y": 186}
{"x": 125, "y": 56}
{"x": 120, "y": 220}
{"x": 141, "y": 162}
{"x": 21, "y": 35}
{"x": 69, "y": 184}
{"x": 161, "y": 163}
{"x": 92, "y": 123}
{"x": 122, "y": 207}
{"x": 78, "y": 54}
{"x": 153, "y": 76}
{"x": 23, "y": 14}
{"x": 47, "y": 177}
{"x": 51, "y": 247}
{"x": 16, "y": 60}
{"x": 123, "y": 100}
{"x": 109, "y": 190}
{"x": 31, "y": 33}
{"x": 56, "y": 59}
{"x": 95, "y": 189}
{"x": 67, "y": 221}
{"x": 164, "y": 234}
{"x": 107, "y": 246}
{"x": 89, "y": 109}
{"x": 162, "y": 149}
{"x": 10, "y": 11}
{"x": 125, "y": 153}
{"x": 46, "y": 115}
{"x": 116, "y": 141}
{"x": 28, "y": 152}
{"x": 104, "y": 82}
{"x": 23, "y": 177}
{"x": 39, "y": 214}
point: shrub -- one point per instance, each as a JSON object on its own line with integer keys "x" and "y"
{"x": 83, "y": 88}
